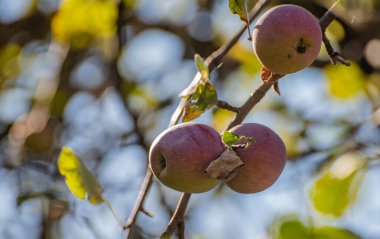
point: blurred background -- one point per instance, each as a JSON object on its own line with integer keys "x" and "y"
{"x": 103, "y": 77}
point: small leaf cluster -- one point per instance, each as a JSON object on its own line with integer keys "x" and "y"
{"x": 205, "y": 95}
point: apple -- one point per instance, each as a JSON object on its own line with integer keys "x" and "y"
{"x": 286, "y": 39}
{"x": 263, "y": 160}
{"x": 179, "y": 156}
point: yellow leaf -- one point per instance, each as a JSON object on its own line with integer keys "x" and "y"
{"x": 344, "y": 82}
{"x": 8, "y": 60}
{"x": 336, "y": 30}
{"x": 291, "y": 226}
{"x": 202, "y": 100}
{"x": 78, "y": 22}
{"x": 202, "y": 67}
{"x": 130, "y": 4}
{"x": 241, "y": 7}
{"x": 81, "y": 182}
{"x": 336, "y": 189}
{"x": 249, "y": 62}
{"x": 291, "y": 141}
{"x": 221, "y": 118}
{"x": 329, "y": 232}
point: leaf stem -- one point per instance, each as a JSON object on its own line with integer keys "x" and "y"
{"x": 113, "y": 212}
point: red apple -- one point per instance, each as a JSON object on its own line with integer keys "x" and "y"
{"x": 179, "y": 156}
{"x": 286, "y": 39}
{"x": 263, "y": 160}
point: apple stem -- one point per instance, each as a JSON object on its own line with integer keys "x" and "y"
{"x": 324, "y": 22}
{"x": 334, "y": 56}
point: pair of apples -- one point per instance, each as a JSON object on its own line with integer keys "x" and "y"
{"x": 286, "y": 39}
{"x": 180, "y": 155}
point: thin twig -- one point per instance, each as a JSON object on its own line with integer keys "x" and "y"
{"x": 334, "y": 56}
{"x": 215, "y": 58}
{"x": 164, "y": 202}
{"x": 325, "y": 20}
{"x": 250, "y": 103}
{"x": 140, "y": 199}
{"x": 328, "y": 17}
{"x": 225, "y": 105}
{"x": 177, "y": 217}
{"x": 146, "y": 212}
{"x": 181, "y": 230}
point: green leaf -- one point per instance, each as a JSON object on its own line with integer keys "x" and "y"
{"x": 337, "y": 188}
{"x": 221, "y": 119}
{"x": 203, "y": 76}
{"x": 203, "y": 99}
{"x": 230, "y": 138}
{"x": 328, "y": 232}
{"x": 345, "y": 82}
{"x": 237, "y": 7}
{"x": 80, "y": 22}
{"x": 241, "y": 7}
{"x": 202, "y": 67}
{"x": 248, "y": 61}
{"x": 330, "y": 195}
{"x": 81, "y": 182}
{"x": 7, "y": 53}
{"x": 294, "y": 229}
{"x": 289, "y": 226}
{"x": 233, "y": 140}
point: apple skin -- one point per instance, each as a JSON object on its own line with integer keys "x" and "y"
{"x": 286, "y": 39}
{"x": 179, "y": 156}
{"x": 263, "y": 160}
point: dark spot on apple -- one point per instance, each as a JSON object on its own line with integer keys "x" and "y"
{"x": 289, "y": 56}
{"x": 301, "y": 47}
